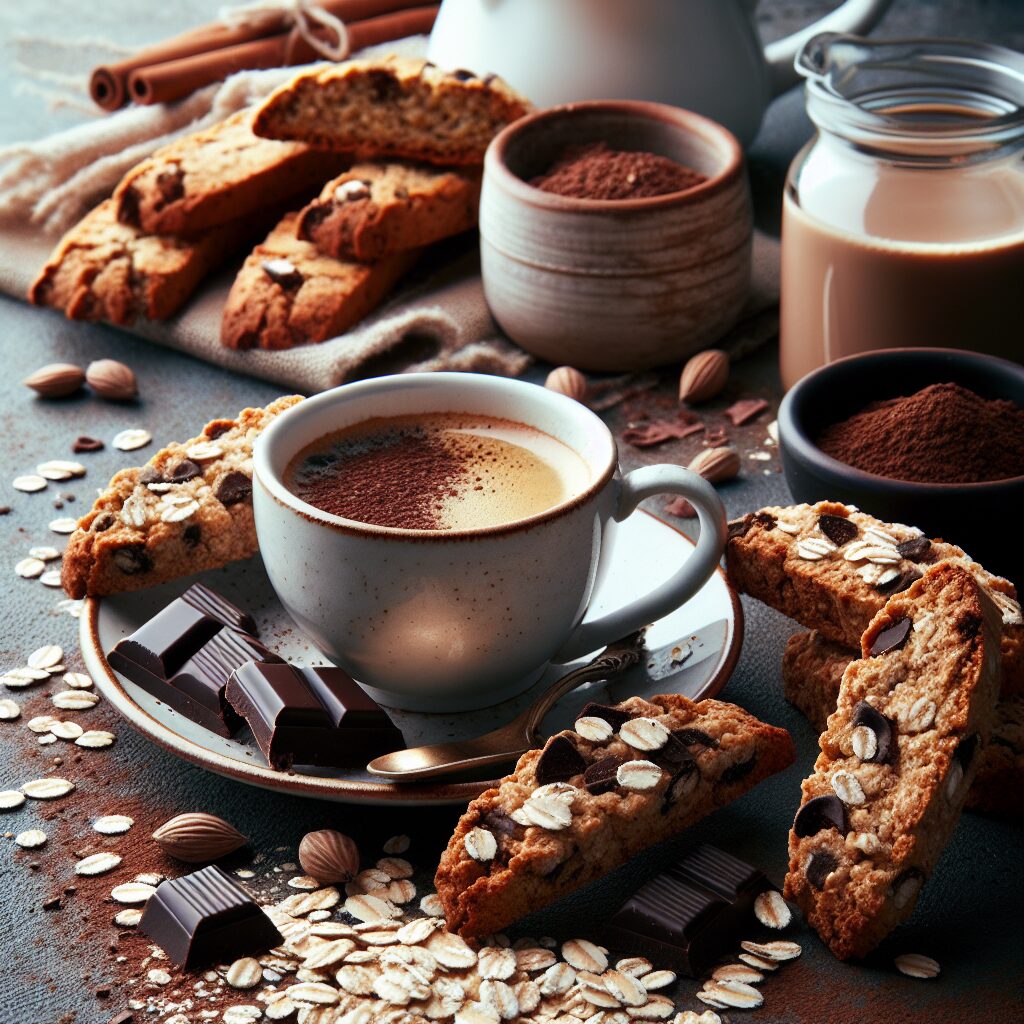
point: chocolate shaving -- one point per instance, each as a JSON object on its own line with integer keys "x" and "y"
{"x": 745, "y": 410}
{"x": 892, "y": 638}
{"x": 559, "y": 762}
{"x": 659, "y": 431}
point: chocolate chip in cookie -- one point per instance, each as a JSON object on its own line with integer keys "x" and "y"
{"x": 838, "y": 529}
{"x": 282, "y": 272}
{"x": 916, "y": 549}
{"x": 820, "y": 865}
{"x": 882, "y": 728}
{"x": 738, "y": 771}
{"x": 818, "y": 814}
{"x": 233, "y": 488}
{"x": 183, "y": 471}
{"x": 892, "y": 638}
{"x": 601, "y": 776}
{"x": 132, "y": 560}
{"x": 559, "y": 762}
{"x": 613, "y": 716}
{"x": 683, "y": 782}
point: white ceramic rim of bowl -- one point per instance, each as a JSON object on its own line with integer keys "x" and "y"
{"x": 716, "y": 136}
{"x": 269, "y": 465}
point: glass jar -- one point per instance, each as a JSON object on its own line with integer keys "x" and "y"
{"x": 903, "y": 218}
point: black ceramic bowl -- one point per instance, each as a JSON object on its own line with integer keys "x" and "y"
{"x": 982, "y": 518}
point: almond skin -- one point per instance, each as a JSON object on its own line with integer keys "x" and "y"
{"x": 198, "y": 838}
{"x": 329, "y": 856}
{"x": 567, "y": 380}
{"x": 716, "y": 464}
{"x": 112, "y": 380}
{"x": 55, "y": 380}
{"x": 704, "y": 376}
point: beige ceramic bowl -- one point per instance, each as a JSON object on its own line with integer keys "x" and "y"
{"x": 615, "y": 285}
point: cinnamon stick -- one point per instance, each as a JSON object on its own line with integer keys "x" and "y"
{"x": 108, "y": 83}
{"x": 171, "y": 80}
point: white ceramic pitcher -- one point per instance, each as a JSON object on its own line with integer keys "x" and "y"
{"x": 703, "y": 55}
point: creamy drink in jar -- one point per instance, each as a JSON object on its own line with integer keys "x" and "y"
{"x": 903, "y": 220}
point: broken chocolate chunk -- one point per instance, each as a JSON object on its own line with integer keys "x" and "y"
{"x": 282, "y": 272}
{"x": 916, "y": 549}
{"x": 601, "y": 776}
{"x": 738, "y": 771}
{"x": 838, "y": 530}
{"x": 683, "y": 782}
{"x": 745, "y": 410}
{"x": 560, "y": 761}
{"x": 819, "y": 867}
{"x": 84, "y": 443}
{"x": 233, "y": 488}
{"x": 741, "y": 527}
{"x": 818, "y": 814}
{"x": 694, "y": 738}
{"x": 613, "y": 716}
{"x": 501, "y": 824}
{"x": 892, "y": 638}
{"x": 883, "y": 728}
{"x": 183, "y": 471}
{"x": 132, "y": 559}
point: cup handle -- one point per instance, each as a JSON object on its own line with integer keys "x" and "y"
{"x": 643, "y": 483}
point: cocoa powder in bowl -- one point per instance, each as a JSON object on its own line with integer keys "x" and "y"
{"x": 596, "y": 171}
{"x": 943, "y": 433}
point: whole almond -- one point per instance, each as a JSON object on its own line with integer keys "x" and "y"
{"x": 198, "y": 838}
{"x": 329, "y": 856}
{"x": 55, "y": 380}
{"x": 111, "y": 379}
{"x": 716, "y": 464}
{"x": 567, "y": 380}
{"x": 704, "y": 376}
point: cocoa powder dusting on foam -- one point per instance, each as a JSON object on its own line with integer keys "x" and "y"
{"x": 399, "y": 480}
{"x": 941, "y": 434}
{"x": 595, "y": 171}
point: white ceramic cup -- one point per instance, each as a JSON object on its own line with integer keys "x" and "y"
{"x": 454, "y": 620}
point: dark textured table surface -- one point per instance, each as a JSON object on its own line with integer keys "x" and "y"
{"x": 969, "y": 916}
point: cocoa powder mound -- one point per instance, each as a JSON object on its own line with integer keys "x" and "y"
{"x": 941, "y": 434}
{"x": 595, "y": 171}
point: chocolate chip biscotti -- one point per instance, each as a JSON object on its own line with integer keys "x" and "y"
{"x": 105, "y": 270}
{"x": 189, "y": 508}
{"x": 812, "y": 672}
{"x": 216, "y": 175}
{"x": 897, "y": 758}
{"x": 395, "y": 107}
{"x": 832, "y": 567}
{"x": 375, "y": 209}
{"x": 287, "y": 293}
{"x": 624, "y": 778}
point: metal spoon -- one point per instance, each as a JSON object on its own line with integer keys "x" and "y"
{"x": 509, "y": 741}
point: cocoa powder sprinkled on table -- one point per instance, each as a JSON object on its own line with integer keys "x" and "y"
{"x": 596, "y": 171}
{"x": 941, "y": 434}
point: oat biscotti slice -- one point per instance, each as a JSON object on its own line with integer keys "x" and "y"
{"x": 375, "y": 209}
{"x": 217, "y": 175}
{"x": 189, "y": 508}
{"x": 395, "y": 107}
{"x": 897, "y": 758}
{"x": 625, "y": 778}
{"x": 832, "y": 568}
{"x": 287, "y": 293}
{"x": 104, "y": 270}
{"x": 812, "y": 672}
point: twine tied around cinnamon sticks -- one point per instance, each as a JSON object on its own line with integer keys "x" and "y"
{"x": 304, "y": 16}
{"x": 263, "y": 34}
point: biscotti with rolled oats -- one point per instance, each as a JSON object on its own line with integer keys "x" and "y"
{"x": 105, "y": 270}
{"x": 624, "y": 778}
{"x": 189, "y": 508}
{"x": 375, "y": 209}
{"x": 812, "y": 673}
{"x": 832, "y": 567}
{"x": 216, "y": 175}
{"x": 392, "y": 107}
{"x": 897, "y": 758}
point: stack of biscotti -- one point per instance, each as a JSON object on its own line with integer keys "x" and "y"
{"x": 623, "y": 778}
{"x": 812, "y": 672}
{"x": 414, "y": 138}
{"x": 898, "y": 756}
{"x": 173, "y": 218}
